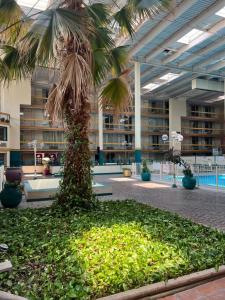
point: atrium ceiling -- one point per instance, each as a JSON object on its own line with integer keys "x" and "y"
{"x": 178, "y": 45}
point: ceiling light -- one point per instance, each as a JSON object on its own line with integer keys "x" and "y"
{"x": 151, "y": 86}
{"x": 169, "y": 77}
{"x": 190, "y": 36}
{"x": 221, "y": 12}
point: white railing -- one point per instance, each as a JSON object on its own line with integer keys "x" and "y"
{"x": 207, "y": 175}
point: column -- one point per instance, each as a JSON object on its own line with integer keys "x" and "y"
{"x": 177, "y": 109}
{"x": 137, "y": 79}
{"x": 100, "y": 135}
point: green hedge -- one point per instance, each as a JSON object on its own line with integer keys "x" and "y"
{"x": 87, "y": 255}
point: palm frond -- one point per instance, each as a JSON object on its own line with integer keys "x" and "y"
{"x": 10, "y": 12}
{"x": 52, "y": 30}
{"x": 119, "y": 58}
{"x": 74, "y": 80}
{"x": 102, "y": 38}
{"x": 124, "y": 21}
{"x": 100, "y": 66}
{"x": 13, "y": 65}
{"x": 147, "y": 8}
{"x": 126, "y": 17}
{"x": 116, "y": 93}
{"x": 99, "y": 13}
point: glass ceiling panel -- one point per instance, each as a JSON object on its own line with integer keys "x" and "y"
{"x": 38, "y": 4}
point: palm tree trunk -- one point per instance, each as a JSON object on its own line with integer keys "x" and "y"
{"x": 76, "y": 186}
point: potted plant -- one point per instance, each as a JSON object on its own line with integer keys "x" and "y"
{"x": 45, "y": 162}
{"x": 13, "y": 174}
{"x": 145, "y": 173}
{"x": 11, "y": 195}
{"x": 126, "y": 172}
{"x": 188, "y": 181}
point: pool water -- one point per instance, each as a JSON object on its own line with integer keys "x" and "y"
{"x": 209, "y": 180}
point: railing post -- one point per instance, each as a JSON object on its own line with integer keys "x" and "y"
{"x": 198, "y": 174}
{"x": 161, "y": 171}
{"x": 217, "y": 178}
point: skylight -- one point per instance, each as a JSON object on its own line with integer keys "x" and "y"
{"x": 221, "y": 12}
{"x": 169, "y": 77}
{"x": 151, "y": 86}
{"x": 38, "y": 4}
{"x": 162, "y": 80}
{"x": 190, "y": 36}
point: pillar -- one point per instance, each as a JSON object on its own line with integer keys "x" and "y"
{"x": 137, "y": 72}
{"x": 177, "y": 109}
{"x": 100, "y": 135}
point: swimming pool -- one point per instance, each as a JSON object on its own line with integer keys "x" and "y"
{"x": 207, "y": 180}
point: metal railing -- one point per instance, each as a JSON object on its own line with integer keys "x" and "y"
{"x": 207, "y": 175}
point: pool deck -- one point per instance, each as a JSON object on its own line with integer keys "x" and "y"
{"x": 204, "y": 206}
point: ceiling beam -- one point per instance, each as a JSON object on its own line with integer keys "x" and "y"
{"x": 214, "y": 29}
{"x": 217, "y": 66}
{"x": 162, "y": 25}
{"x": 191, "y": 24}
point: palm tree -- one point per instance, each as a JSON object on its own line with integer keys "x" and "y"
{"x": 78, "y": 39}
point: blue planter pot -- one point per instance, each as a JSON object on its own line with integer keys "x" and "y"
{"x": 146, "y": 176}
{"x": 10, "y": 196}
{"x": 188, "y": 182}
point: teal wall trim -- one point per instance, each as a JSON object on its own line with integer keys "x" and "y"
{"x": 101, "y": 158}
{"x": 15, "y": 159}
{"x": 137, "y": 156}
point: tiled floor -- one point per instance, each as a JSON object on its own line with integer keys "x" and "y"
{"x": 202, "y": 206}
{"x": 214, "y": 290}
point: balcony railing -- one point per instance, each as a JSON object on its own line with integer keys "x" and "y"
{"x": 198, "y": 147}
{"x": 155, "y": 110}
{"x": 203, "y": 114}
{"x": 118, "y": 146}
{"x": 47, "y": 145}
{"x": 39, "y": 123}
{"x": 155, "y": 147}
{"x": 118, "y": 127}
{"x": 194, "y": 130}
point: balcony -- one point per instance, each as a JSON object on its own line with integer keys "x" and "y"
{"x": 47, "y": 145}
{"x": 202, "y": 115}
{"x": 118, "y": 146}
{"x": 198, "y": 147}
{"x": 118, "y": 128}
{"x": 155, "y": 130}
{"x": 194, "y": 131}
{"x": 37, "y": 124}
{"x": 155, "y": 111}
{"x": 155, "y": 147}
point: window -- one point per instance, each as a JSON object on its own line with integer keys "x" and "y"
{"x": 195, "y": 125}
{"x": 194, "y": 110}
{"x": 208, "y": 109}
{"x": 3, "y": 133}
{"x": 109, "y": 121}
{"x": 195, "y": 142}
{"x": 208, "y": 125}
{"x": 155, "y": 142}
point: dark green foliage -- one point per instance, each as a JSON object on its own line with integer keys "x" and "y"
{"x": 175, "y": 158}
{"x": 188, "y": 172}
{"x": 86, "y": 255}
{"x": 145, "y": 168}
